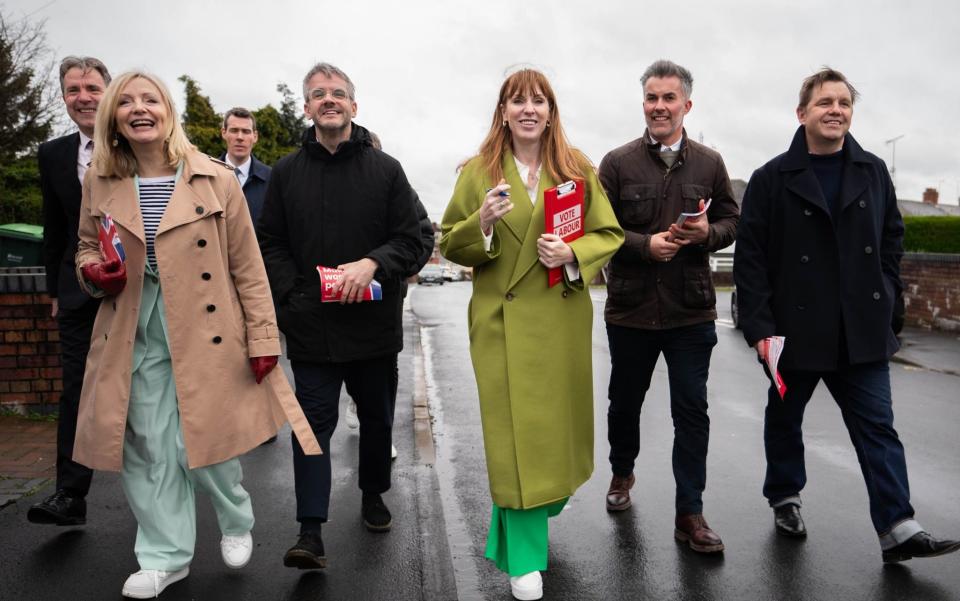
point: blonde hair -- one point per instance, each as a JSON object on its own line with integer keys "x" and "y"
{"x": 560, "y": 160}
{"x": 119, "y": 160}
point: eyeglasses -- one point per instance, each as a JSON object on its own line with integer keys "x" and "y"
{"x": 320, "y": 94}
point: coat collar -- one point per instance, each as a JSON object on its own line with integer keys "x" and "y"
{"x": 801, "y": 180}
{"x": 188, "y": 203}
{"x": 525, "y": 221}
{"x": 258, "y": 169}
{"x": 359, "y": 138}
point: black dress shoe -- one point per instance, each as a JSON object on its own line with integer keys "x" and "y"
{"x": 307, "y": 554}
{"x": 920, "y": 544}
{"x": 61, "y": 508}
{"x": 788, "y": 521}
{"x": 376, "y": 516}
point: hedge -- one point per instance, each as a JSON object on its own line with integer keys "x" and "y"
{"x": 932, "y": 234}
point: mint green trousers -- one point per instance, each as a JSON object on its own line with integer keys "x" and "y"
{"x": 517, "y": 542}
{"x": 155, "y": 478}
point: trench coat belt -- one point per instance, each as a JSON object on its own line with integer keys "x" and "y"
{"x": 280, "y": 389}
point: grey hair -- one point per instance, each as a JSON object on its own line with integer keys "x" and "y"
{"x": 330, "y": 71}
{"x": 84, "y": 63}
{"x": 664, "y": 68}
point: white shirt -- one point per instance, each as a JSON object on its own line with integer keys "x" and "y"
{"x": 663, "y": 147}
{"x": 244, "y": 169}
{"x": 84, "y": 155}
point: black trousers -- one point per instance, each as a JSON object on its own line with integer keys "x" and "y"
{"x": 76, "y": 326}
{"x": 633, "y": 356}
{"x": 371, "y": 383}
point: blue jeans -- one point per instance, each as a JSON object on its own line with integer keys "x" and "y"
{"x": 371, "y": 383}
{"x": 863, "y": 394}
{"x": 633, "y": 355}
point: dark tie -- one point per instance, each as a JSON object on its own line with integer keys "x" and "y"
{"x": 239, "y": 174}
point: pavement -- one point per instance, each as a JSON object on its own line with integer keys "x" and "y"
{"x": 423, "y": 558}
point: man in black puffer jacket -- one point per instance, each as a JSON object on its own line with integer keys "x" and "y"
{"x": 339, "y": 202}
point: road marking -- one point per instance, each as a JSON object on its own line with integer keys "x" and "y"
{"x": 462, "y": 554}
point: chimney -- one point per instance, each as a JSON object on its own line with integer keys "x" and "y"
{"x": 931, "y": 196}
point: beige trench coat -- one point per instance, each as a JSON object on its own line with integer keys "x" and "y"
{"x": 219, "y": 313}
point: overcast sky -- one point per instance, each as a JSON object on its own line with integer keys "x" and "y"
{"x": 428, "y": 73}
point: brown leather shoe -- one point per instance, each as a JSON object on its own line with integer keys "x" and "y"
{"x": 618, "y": 497}
{"x": 693, "y": 529}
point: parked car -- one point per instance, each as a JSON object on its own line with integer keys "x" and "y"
{"x": 452, "y": 273}
{"x": 430, "y": 274}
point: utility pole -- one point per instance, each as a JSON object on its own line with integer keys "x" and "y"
{"x": 893, "y": 163}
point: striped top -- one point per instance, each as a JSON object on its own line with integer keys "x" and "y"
{"x": 155, "y": 193}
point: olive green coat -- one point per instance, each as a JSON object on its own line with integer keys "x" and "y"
{"x": 530, "y": 344}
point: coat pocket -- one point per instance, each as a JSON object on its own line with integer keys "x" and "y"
{"x": 638, "y": 203}
{"x": 691, "y": 194}
{"x": 625, "y": 292}
{"x": 698, "y": 292}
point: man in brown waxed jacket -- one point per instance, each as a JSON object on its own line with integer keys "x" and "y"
{"x": 660, "y": 295}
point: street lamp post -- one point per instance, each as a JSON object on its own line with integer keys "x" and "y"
{"x": 893, "y": 163}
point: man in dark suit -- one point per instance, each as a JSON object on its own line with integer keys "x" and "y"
{"x": 818, "y": 262}
{"x": 63, "y": 163}
{"x": 239, "y": 131}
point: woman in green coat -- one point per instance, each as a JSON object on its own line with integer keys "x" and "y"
{"x": 530, "y": 343}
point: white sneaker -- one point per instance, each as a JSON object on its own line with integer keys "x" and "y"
{"x": 147, "y": 584}
{"x": 527, "y": 587}
{"x": 393, "y": 452}
{"x": 236, "y": 550}
{"x": 353, "y": 422}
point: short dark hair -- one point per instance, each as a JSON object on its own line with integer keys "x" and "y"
{"x": 821, "y": 77}
{"x": 664, "y": 68}
{"x": 84, "y": 63}
{"x": 240, "y": 113}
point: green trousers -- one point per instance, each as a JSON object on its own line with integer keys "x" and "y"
{"x": 155, "y": 478}
{"x": 517, "y": 542}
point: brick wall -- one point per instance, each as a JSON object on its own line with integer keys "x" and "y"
{"x": 932, "y": 290}
{"x": 30, "y": 375}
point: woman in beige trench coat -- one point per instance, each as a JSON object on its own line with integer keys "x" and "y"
{"x": 172, "y": 392}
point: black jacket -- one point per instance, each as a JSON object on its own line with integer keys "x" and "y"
{"x": 255, "y": 188}
{"x": 329, "y": 209}
{"x": 61, "y": 192}
{"x": 801, "y": 276}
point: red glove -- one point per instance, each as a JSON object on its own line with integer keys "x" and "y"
{"x": 261, "y": 366}
{"x": 110, "y": 276}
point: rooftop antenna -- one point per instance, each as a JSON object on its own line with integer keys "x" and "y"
{"x": 893, "y": 164}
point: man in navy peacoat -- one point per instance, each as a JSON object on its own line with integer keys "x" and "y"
{"x": 818, "y": 261}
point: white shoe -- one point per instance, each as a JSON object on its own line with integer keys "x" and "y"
{"x": 351, "y": 416}
{"x": 147, "y": 584}
{"x": 236, "y": 550}
{"x": 527, "y": 587}
{"x": 393, "y": 452}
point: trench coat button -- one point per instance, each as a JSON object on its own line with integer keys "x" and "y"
{"x": 804, "y": 259}
{"x": 876, "y": 296}
{"x": 509, "y": 296}
{"x": 862, "y": 204}
{"x": 211, "y": 308}
{"x": 201, "y": 242}
{"x": 205, "y": 275}
{"x": 807, "y": 212}
{"x": 199, "y": 210}
{"x": 217, "y": 340}
{"x": 564, "y": 294}
{"x": 868, "y": 250}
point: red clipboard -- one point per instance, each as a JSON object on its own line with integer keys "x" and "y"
{"x": 563, "y": 216}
